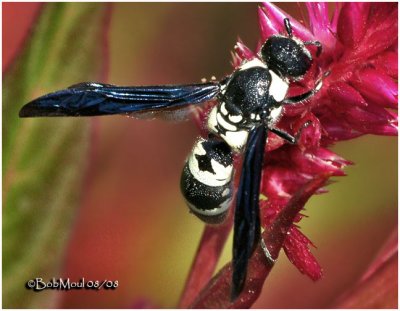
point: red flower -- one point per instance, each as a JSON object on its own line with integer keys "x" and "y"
{"x": 360, "y": 53}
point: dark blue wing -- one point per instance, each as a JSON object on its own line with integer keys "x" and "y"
{"x": 247, "y": 219}
{"x": 93, "y": 99}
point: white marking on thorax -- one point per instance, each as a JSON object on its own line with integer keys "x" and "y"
{"x": 275, "y": 115}
{"x": 223, "y": 88}
{"x": 223, "y": 109}
{"x": 212, "y": 120}
{"x": 222, "y": 176}
{"x": 221, "y": 121}
{"x": 235, "y": 119}
{"x": 236, "y": 140}
{"x": 252, "y": 63}
{"x": 278, "y": 87}
{"x": 215, "y": 118}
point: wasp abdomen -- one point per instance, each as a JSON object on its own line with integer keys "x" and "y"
{"x": 206, "y": 180}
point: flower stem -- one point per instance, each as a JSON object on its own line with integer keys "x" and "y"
{"x": 205, "y": 261}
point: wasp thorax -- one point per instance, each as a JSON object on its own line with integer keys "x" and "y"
{"x": 247, "y": 91}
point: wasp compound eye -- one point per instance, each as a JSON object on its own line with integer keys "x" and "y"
{"x": 286, "y": 56}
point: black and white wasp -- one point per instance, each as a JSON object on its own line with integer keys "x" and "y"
{"x": 250, "y": 103}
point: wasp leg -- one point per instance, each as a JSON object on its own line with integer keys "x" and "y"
{"x": 317, "y": 44}
{"x": 288, "y": 137}
{"x": 302, "y": 97}
{"x": 264, "y": 247}
{"x": 284, "y": 135}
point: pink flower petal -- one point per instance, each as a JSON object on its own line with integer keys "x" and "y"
{"x": 311, "y": 134}
{"x": 332, "y": 157}
{"x": 352, "y": 22}
{"x": 380, "y": 11}
{"x": 382, "y": 30}
{"x": 319, "y": 16}
{"x": 387, "y": 129}
{"x": 372, "y": 120}
{"x": 268, "y": 26}
{"x": 277, "y": 15}
{"x": 361, "y": 118}
{"x": 236, "y": 60}
{"x": 344, "y": 94}
{"x": 297, "y": 249}
{"x": 337, "y": 129}
{"x": 313, "y": 163}
{"x": 337, "y": 124}
{"x": 279, "y": 184}
{"x": 274, "y": 142}
{"x": 335, "y": 17}
{"x": 243, "y": 51}
{"x": 376, "y": 87}
{"x": 388, "y": 62}
{"x": 321, "y": 27}
{"x": 386, "y": 120}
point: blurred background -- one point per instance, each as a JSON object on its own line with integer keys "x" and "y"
{"x": 122, "y": 216}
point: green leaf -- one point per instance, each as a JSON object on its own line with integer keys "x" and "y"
{"x": 44, "y": 159}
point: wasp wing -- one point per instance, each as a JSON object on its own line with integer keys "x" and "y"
{"x": 247, "y": 217}
{"x": 94, "y": 99}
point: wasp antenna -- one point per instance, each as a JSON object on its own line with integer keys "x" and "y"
{"x": 288, "y": 27}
